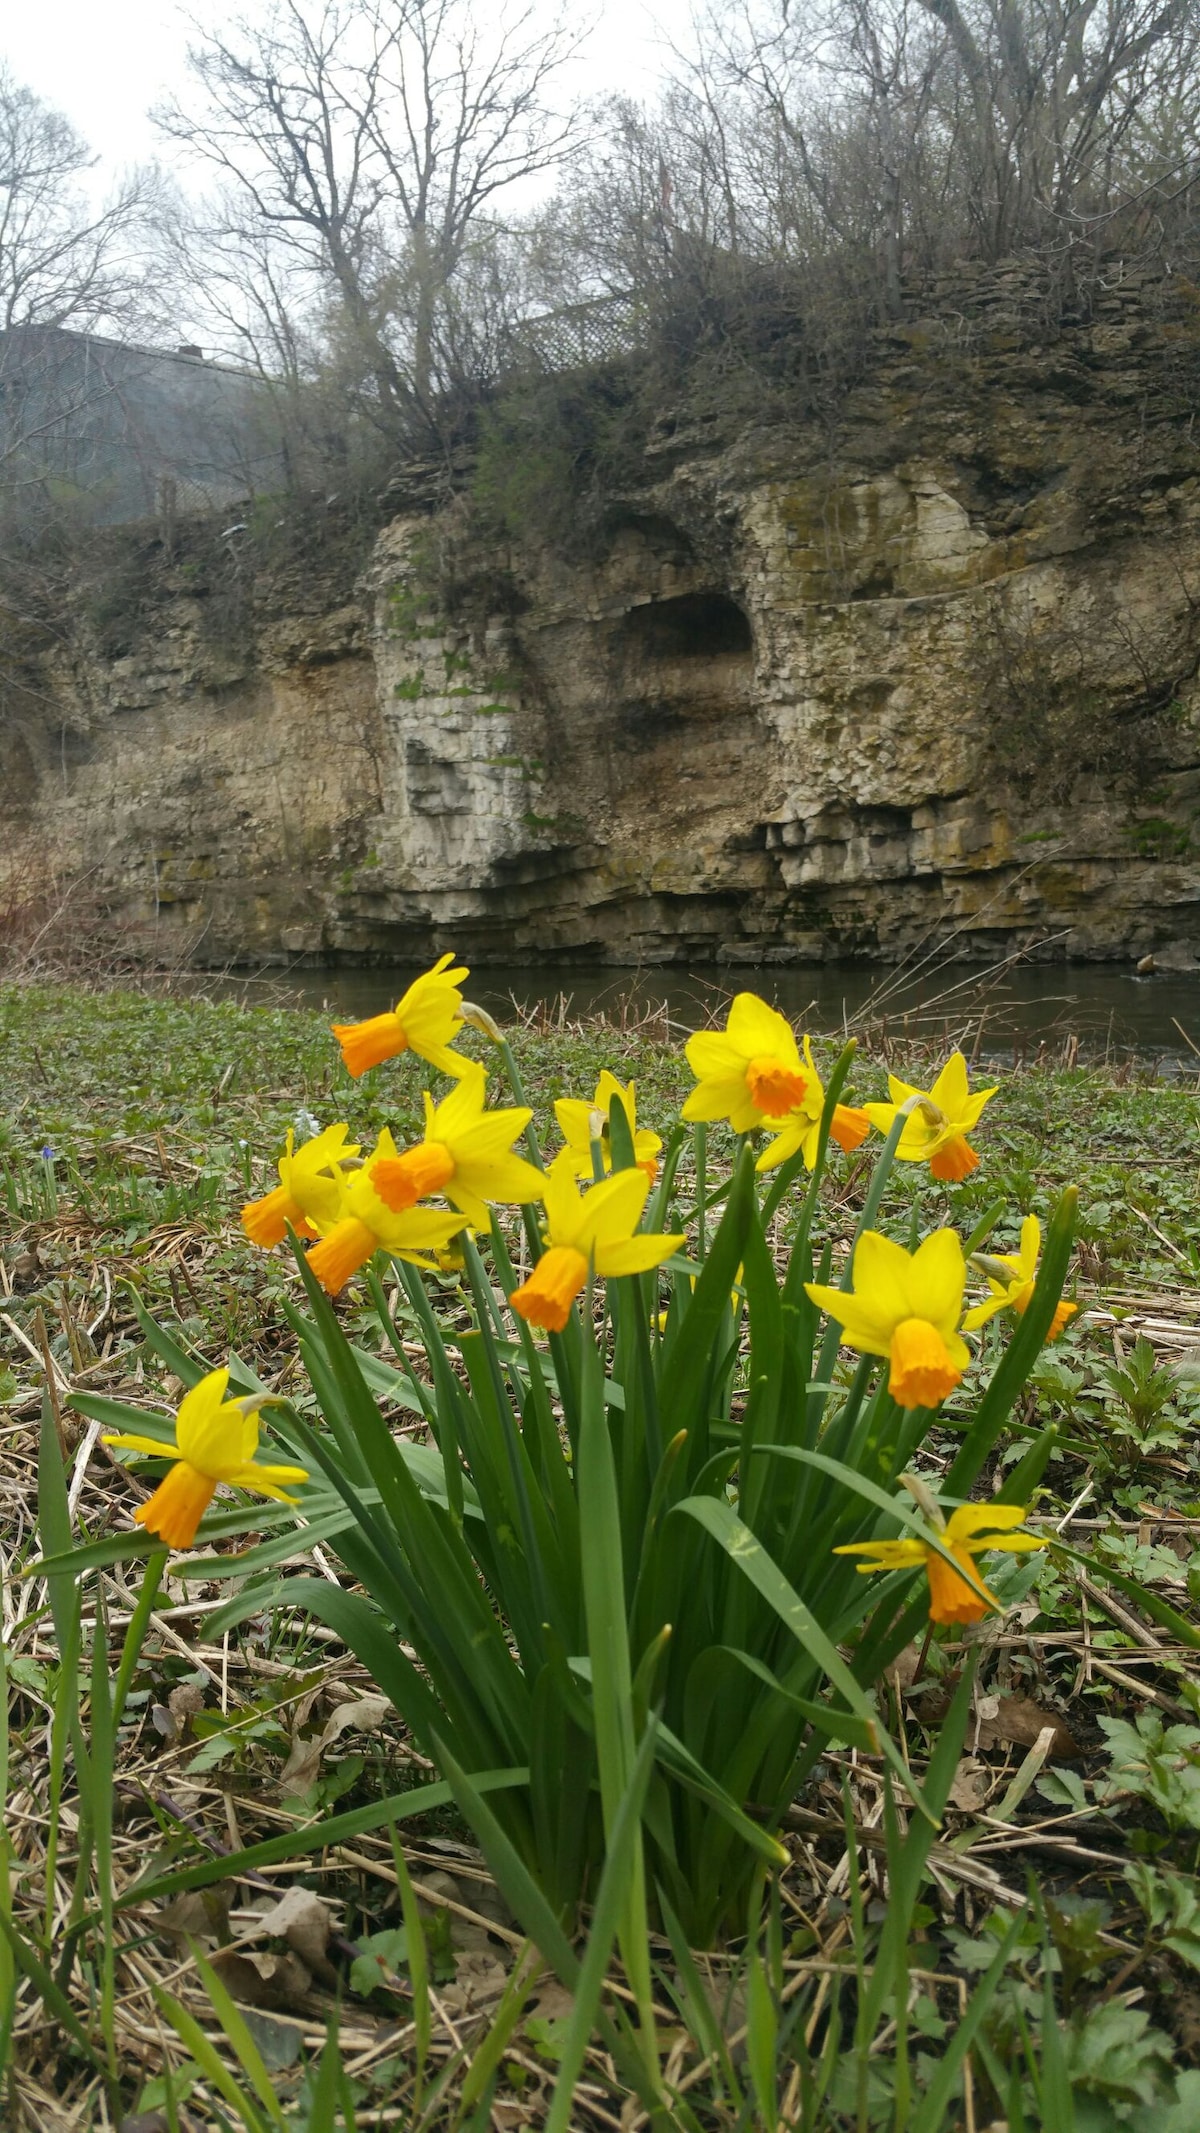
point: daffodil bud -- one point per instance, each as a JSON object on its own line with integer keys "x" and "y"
{"x": 479, "y": 1018}
{"x": 924, "y": 1499}
{"x": 930, "y": 1112}
{"x": 992, "y": 1269}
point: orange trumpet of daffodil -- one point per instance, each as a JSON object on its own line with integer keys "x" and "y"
{"x": 937, "y": 1126}
{"x": 424, "y": 1021}
{"x": 590, "y": 1230}
{"x": 310, "y": 1182}
{"x": 364, "y": 1224}
{"x": 905, "y": 1306}
{"x": 581, "y": 1123}
{"x": 969, "y": 1531}
{"x": 800, "y": 1128}
{"x": 466, "y": 1155}
{"x": 1011, "y": 1278}
{"x": 215, "y": 1440}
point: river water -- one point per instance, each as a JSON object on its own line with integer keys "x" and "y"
{"x": 1109, "y": 1009}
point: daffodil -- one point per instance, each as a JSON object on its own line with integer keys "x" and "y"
{"x": 582, "y": 1123}
{"x": 936, "y": 1129}
{"x": 1011, "y": 1278}
{"x": 905, "y": 1306}
{"x": 310, "y": 1181}
{"x": 424, "y": 1021}
{"x": 969, "y": 1531}
{"x": 800, "y": 1128}
{"x": 466, "y": 1155}
{"x": 590, "y": 1230}
{"x": 215, "y": 1440}
{"x": 364, "y": 1224}
{"x": 750, "y": 1072}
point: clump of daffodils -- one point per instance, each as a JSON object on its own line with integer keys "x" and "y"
{"x": 905, "y": 1305}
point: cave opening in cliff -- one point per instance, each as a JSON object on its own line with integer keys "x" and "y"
{"x": 692, "y": 626}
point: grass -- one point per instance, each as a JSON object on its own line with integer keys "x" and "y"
{"x": 396, "y": 1990}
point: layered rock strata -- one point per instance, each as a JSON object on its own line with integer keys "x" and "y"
{"x": 933, "y": 682}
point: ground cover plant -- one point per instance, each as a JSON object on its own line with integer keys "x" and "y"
{"x": 765, "y": 1868}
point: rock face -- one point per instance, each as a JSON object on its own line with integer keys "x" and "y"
{"x": 931, "y": 681}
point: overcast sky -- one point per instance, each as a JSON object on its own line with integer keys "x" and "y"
{"x": 104, "y": 66}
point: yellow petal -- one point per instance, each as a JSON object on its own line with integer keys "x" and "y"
{"x": 564, "y": 1205}
{"x": 883, "y": 1278}
{"x": 635, "y": 1255}
{"x": 754, "y": 1027}
{"x": 938, "y": 1277}
{"x": 950, "y": 1091}
{"x": 612, "y": 1210}
{"x": 150, "y": 1445}
{"x": 886, "y": 1555}
{"x": 860, "y": 1329}
{"x": 973, "y": 1518}
{"x": 213, "y": 1433}
{"x": 980, "y": 1314}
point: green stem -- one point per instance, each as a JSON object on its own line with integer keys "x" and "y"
{"x": 152, "y": 1577}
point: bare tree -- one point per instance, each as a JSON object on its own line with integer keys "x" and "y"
{"x": 375, "y": 141}
{"x": 63, "y": 261}
{"x": 69, "y": 269}
{"x": 1054, "y": 91}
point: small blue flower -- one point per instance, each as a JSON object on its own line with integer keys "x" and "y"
{"x": 48, "y": 1154}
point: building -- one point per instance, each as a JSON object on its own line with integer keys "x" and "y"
{"x": 119, "y": 433}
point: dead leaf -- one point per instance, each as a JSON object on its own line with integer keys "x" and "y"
{"x": 479, "y": 1979}
{"x": 184, "y": 1702}
{"x": 305, "y": 1923}
{"x": 553, "y": 2003}
{"x": 279, "y": 2040}
{"x": 365, "y": 1715}
{"x": 1017, "y": 1721}
{"x": 278, "y": 1981}
{"x": 903, "y": 1670}
{"x": 434, "y": 1882}
{"x": 173, "y": 1718}
{"x": 971, "y": 1786}
{"x": 199, "y": 1914}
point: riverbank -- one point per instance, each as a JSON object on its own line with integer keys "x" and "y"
{"x": 160, "y": 1108}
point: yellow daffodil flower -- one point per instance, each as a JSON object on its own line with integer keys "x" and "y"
{"x": 215, "y": 1440}
{"x": 466, "y": 1155}
{"x": 750, "y": 1072}
{"x": 905, "y": 1306}
{"x": 969, "y": 1532}
{"x": 1011, "y": 1278}
{"x": 581, "y": 1123}
{"x": 590, "y": 1229}
{"x": 310, "y": 1183}
{"x": 364, "y": 1224}
{"x": 937, "y": 1126}
{"x": 800, "y": 1128}
{"x": 424, "y": 1021}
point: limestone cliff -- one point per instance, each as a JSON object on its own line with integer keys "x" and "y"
{"x": 931, "y": 675}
